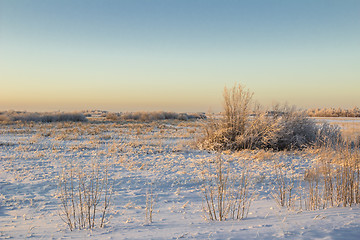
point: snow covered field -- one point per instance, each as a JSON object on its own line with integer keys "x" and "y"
{"x": 143, "y": 157}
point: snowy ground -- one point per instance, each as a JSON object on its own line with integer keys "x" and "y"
{"x": 158, "y": 156}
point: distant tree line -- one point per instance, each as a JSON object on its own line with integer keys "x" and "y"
{"x": 153, "y": 116}
{"x": 13, "y": 116}
{"x": 333, "y": 112}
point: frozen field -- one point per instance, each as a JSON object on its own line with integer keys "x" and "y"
{"x": 143, "y": 157}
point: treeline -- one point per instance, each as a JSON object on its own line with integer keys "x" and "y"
{"x": 153, "y": 116}
{"x": 12, "y": 116}
{"x": 333, "y": 112}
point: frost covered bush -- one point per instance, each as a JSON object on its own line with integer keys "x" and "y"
{"x": 243, "y": 128}
{"x": 295, "y": 131}
{"x": 329, "y": 135}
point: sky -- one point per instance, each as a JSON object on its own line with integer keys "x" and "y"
{"x": 177, "y": 55}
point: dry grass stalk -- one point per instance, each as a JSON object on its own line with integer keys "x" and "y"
{"x": 335, "y": 181}
{"x": 85, "y": 196}
{"x": 225, "y": 196}
{"x": 149, "y": 209}
{"x": 241, "y": 197}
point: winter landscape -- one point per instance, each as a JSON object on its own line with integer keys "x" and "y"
{"x": 150, "y": 177}
{"x": 181, "y": 119}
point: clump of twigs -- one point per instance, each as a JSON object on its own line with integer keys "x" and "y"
{"x": 85, "y": 196}
{"x": 284, "y": 187}
{"x": 224, "y": 194}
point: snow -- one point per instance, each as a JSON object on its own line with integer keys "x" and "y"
{"x": 157, "y": 156}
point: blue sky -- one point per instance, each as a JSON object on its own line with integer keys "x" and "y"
{"x": 177, "y": 55}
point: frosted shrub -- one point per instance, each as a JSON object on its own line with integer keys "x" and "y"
{"x": 329, "y": 135}
{"x": 260, "y": 134}
{"x": 224, "y": 134}
{"x": 237, "y": 103}
{"x": 295, "y": 131}
{"x": 240, "y": 128}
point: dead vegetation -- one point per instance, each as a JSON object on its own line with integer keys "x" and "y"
{"x": 335, "y": 179}
{"x": 225, "y": 195}
{"x": 13, "y": 116}
{"x": 153, "y": 116}
{"x": 85, "y": 196}
{"x": 244, "y": 126}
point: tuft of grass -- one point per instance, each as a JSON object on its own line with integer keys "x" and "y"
{"x": 225, "y": 196}
{"x": 284, "y": 188}
{"x": 85, "y": 196}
